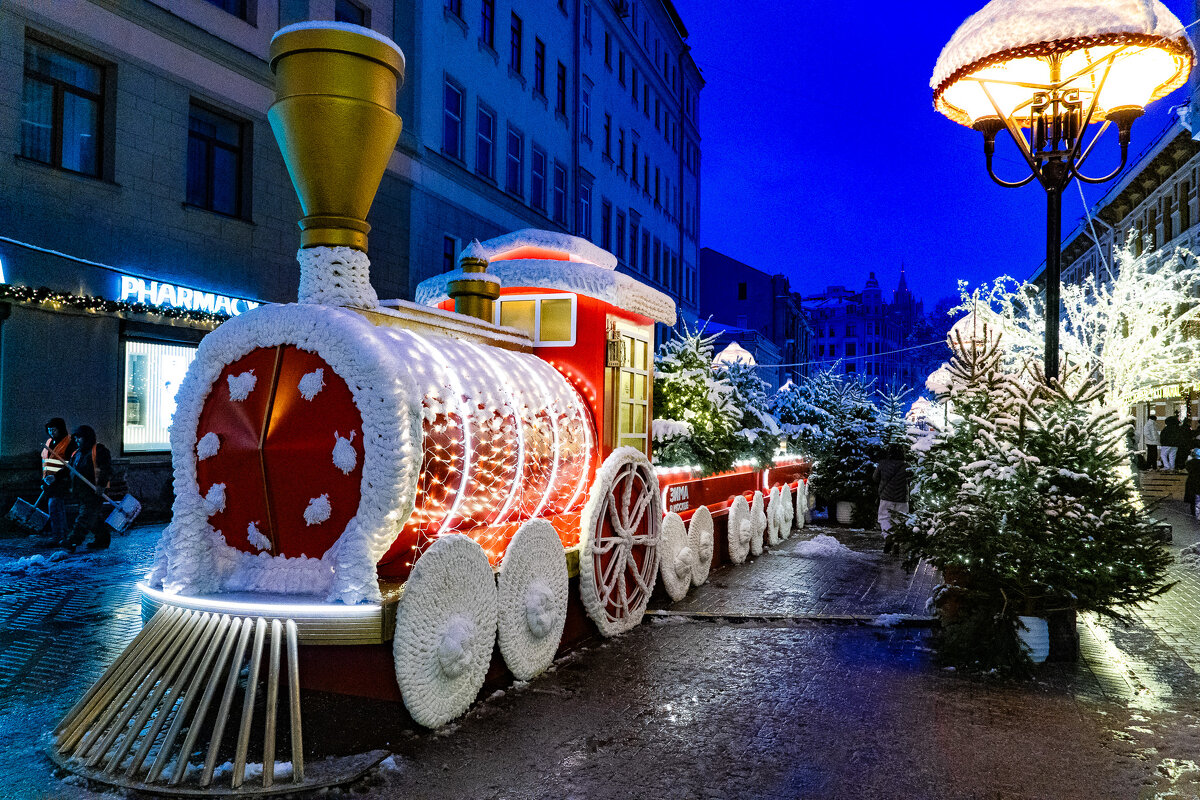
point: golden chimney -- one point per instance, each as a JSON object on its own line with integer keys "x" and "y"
{"x": 335, "y": 120}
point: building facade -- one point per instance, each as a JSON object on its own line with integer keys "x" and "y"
{"x": 757, "y": 310}
{"x": 145, "y": 191}
{"x": 864, "y": 334}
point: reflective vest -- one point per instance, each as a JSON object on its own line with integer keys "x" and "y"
{"x": 54, "y": 456}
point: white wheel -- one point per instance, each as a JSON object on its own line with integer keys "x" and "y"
{"x": 532, "y": 592}
{"x": 801, "y": 504}
{"x": 774, "y": 535}
{"x": 677, "y": 559}
{"x": 619, "y": 529}
{"x": 741, "y": 530}
{"x": 788, "y": 509}
{"x": 700, "y": 537}
{"x": 445, "y": 629}
{"x": 761, "y": 522}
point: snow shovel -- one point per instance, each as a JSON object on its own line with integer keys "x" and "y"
{"x": 28, "y": 515}
{"x": 124, "y": 511}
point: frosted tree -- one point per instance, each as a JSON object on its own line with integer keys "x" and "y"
{"x": 1136, "y": 328}
{"x": 696, "y": 417}
{"x": 891, "y": 418}
{"x": 759, "y": 433}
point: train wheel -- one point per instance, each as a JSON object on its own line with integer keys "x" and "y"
{"x": 741, "y": 530}
{"x": 801, "y": 504}
{"x": 774, "y": 517}
{"x": 532, "y": 599}
{"x": 700, "y": 538}
{"x": 620, "y": 527}
{"x": 788, "y": 509}
{"x": 677, "y": 559}
{"x": 445, "y": 629}
{"x": 761, "y": 522}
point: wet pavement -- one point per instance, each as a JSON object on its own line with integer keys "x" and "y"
{"x": 771, "y": 681}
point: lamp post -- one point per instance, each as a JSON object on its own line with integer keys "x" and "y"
{"x": 1045, "y": 71}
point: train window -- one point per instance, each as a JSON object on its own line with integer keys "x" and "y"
{"x": 548, "y": 319}
{"x": 634, "y": 388}
{"x": 518, "y": 314}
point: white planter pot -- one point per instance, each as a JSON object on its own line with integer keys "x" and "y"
{"x": 1034, "y": 634}
{"x": 845, "y": 512}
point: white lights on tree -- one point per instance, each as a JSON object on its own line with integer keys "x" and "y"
{"x": 532, "y": 599}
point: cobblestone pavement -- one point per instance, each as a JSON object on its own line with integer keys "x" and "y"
{"x": 744, "y": 689}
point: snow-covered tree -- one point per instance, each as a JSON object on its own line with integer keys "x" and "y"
{"x": 687, "y": 391}
{"x": 759, "y": 433}
{"x": 891, "y": 418}
{"x": 1025, "y": 504}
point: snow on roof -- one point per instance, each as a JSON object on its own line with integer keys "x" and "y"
{"x": 622, "y": 291}
{"x": 551, "y": 244}
{"x": 1004, "y": 25}
{"x": 734, "y": 353}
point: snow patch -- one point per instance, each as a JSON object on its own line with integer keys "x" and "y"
{"x": 318, "y": 510}
{"x": 1190, "y": 557}
{"x": 825, "y": 546}
{"x": 208, "y": 446}
{"x": 256, "y": 538}
{"x": 312, "y": 383}
{"x": 345, "y": 457}
{"x": 240, "y": 386}
{"x": 670, "y": 428}
{"x": 888, "y": 620}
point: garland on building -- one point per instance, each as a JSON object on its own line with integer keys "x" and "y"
{"x": 45, "y": 296}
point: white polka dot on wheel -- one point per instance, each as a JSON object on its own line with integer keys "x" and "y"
{"x": 741, "y": 530}
{"x": 700, "y": 539}
{"x": 532, "y": 599}
{"x": 445, "y": 630}
{"x": 761, "y": 522}
{"x": 677, "y": 560}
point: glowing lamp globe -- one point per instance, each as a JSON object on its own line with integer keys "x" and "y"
{"x": 1123, "y": 54}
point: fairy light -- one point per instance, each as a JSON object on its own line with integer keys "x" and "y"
{"x": 45, "y": 296}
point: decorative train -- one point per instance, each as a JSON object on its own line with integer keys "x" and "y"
{"x": 437, "y": 473}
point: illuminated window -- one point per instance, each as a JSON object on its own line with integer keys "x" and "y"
{"x": 633, "y": 403}
{"x": 548, "y": 319}
{"x": 153, "y": 371}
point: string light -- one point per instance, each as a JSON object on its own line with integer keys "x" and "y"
{"x": 45, "y": 296}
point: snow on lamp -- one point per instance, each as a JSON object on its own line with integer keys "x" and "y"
{"x": 1045, "y": 70}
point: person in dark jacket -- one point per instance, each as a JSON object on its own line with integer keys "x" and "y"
{"x": 93, "y": 462}
{"x": 56, "y": 483}
{"x": 1170, "y": 442}
{"x": 1191, "y": 489}
{"x": 892, "y": 477}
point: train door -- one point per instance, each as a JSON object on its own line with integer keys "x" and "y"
{"x": 631, "y": 391}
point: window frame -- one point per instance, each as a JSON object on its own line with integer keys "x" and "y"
{"x": 241, "y": 204}
{"x": 487, "y": 23}
{"x": 516, "y": 35}
{"x": 59, "y": 89}
{"x": 537, "y": 199}
{"x": 460, "y": 145}
{"x": 481, "y": 111}
{"x": 509, "y": 170}
{"x": 538, "y": 297}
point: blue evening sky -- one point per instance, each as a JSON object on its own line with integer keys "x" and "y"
{"x": 823, "y": 157}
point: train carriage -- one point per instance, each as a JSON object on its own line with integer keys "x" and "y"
{"x": 370, "y": 495}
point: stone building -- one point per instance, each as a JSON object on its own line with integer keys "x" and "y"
{"x": 146, "y": 193}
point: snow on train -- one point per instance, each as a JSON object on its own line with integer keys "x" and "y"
{"x": 442, "y": 475}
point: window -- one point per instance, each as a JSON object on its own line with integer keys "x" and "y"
{"x": 621, "y": 149}
{"x": 487, "y": 23}
{"x": 583, "y": 220}
{"x": 214, "y": 161}
{"x": 1185, "y": 207}
{"x": 608, "y": 50}
{"x": 646, "y": 173}
{"x": 449, "y": 253}
{"x": 454, "y": 7}
{"x": 741, "y": 291}
{"x": 239, "y": 8}
{"x": 585, "y": 114}
{"x": 658, "y": 271}
{"x": 621, "y": 67}
{"x": 851, "y": 349}
{"x": 645, "y": 251}
{"x": 560, "y": 100}
{"x": 634, "y": 174}
{"x": 352, "y": 12}
{"x": 608, "y": 135}
{"x": 646, "y": 99}
{"x": 539, "y": 66}
{"x": 633, "y": 241}
{"x": 657, "y": 114}
{"x": 587, "y": 23}
{"x": 619, "y": 237}
{"x": 560, "y": 194}
{"x": 850, "y": 368}
{"x": 633, "y": 84}
{"x": 606, "y": 225}
{"x": 62, "y": 108}
{"x": 514, "y": 53}
{"x": 485, "y": 143}
{"x": 513, "y": 162}
{"x": 633, "y": 402}
{"x": 452, "y": 127}
{"x": 153, "y": 372}
{"x": 548, "y": 319}
{"x": 537, "y": 180}
{"x": 851, "y": 329}
{"x": 833, "y": 351}
{"x": 657, "y": 186}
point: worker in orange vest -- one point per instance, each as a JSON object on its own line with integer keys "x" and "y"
{"x": 93, "y": 462}
{"x": 56, "y": 483}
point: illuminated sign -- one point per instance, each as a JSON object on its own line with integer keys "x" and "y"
{"x": 170, "y": 295}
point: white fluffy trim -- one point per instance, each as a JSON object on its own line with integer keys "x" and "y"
{"x": 574, "y": 247}
{"x": 336, "y": 276}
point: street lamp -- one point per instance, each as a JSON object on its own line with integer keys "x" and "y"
{"x": 1044, "y": 71}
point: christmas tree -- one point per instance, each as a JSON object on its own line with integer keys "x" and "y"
{"x": 759, "y": 433}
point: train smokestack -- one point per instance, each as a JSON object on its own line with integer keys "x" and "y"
{"x": 475, "y": 293}
{"x": 335, "y": 120}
